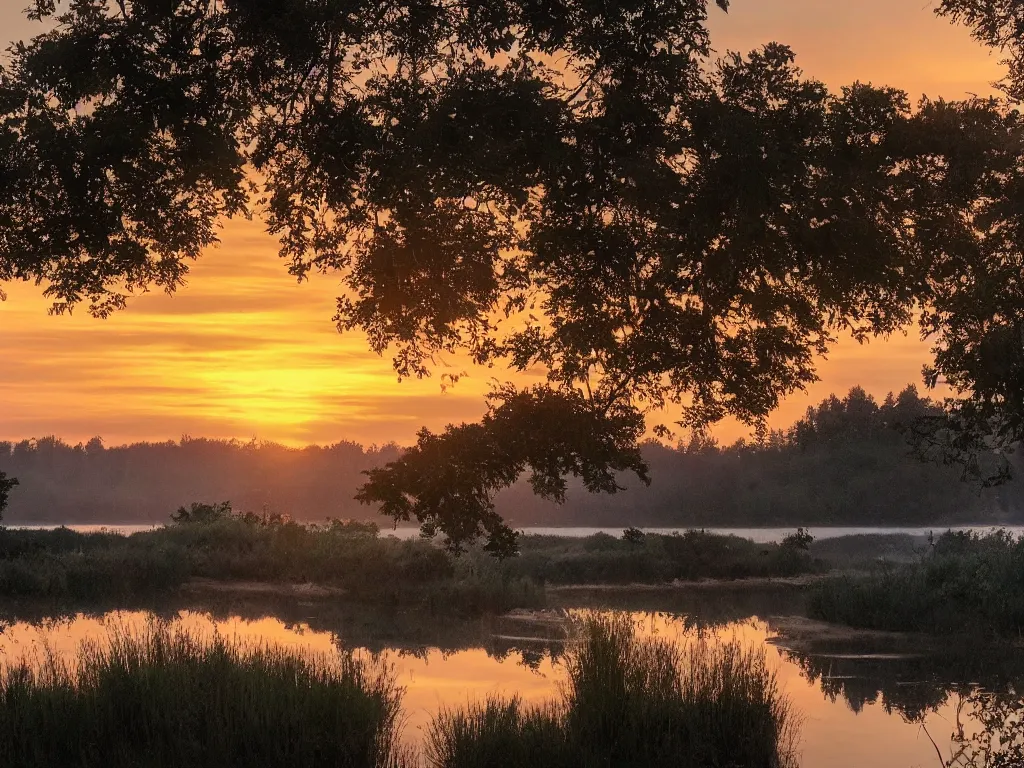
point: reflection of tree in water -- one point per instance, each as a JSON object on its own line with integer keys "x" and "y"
{"x": 989, "y": 731}
{"x": 711, "y": 606}
{"x": 984, "y": 685}
{"x": 419, "y": 633}
{"x": 909, "y": 686}
{"x": 373, "y": 628}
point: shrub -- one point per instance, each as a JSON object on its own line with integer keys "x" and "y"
{"x": 199, "y": 513}
{"x": 802, "y": 540}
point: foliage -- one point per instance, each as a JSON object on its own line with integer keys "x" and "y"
{"x": 996, "y": 23}
{"x": 802, "y": 539}
{"x": 692, "y": 555}
{"x": 998, "y": 741}
{"x": 968, "y": 584}
{"x": 446, "y": 482}
{"x": 199, "y": 513}
{"x": 90, "y": 482}
{"x": 499, "y": 732}
{"x": 826, "y": 469}
{"x": 163, "y": 696}
{"x": 633, "y": 535}
{"x": 631, "y": 701}
{"x": 6, "y": 485}
{"x": 649, "y": 225}
{"x": 351, "y": 558}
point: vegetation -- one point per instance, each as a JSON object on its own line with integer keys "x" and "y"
{"x": 212, "y": 542}
{"x": 160, "y": 696}
{"x": 604, "y": 559}
{"x": 164, "y": 697}
{"x": 967, "y": 584}
{"x": 94, "y": 483}
{"x": 913, "y": 677}
{"x": 826, "y": 469}
{"x": 216, "y": 544}
{"x": 631, "y": 701}
{"x": 652, "y": 225}
{"x": 996, "y": 738}
{"x": 6, "y": 484}
{"x": 850, "y": 461}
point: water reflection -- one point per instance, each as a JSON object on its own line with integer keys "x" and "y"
{"x": 997, "y": 740}
{"x": 863, "y": 703}
{"x": 966, "y": 700}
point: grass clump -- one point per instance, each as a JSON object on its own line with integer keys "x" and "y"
{"x": 967, "y": 584}
{"x": 165, "y": 697}
{"x": 499, "y": 731}
{"x": 632, "y": 702}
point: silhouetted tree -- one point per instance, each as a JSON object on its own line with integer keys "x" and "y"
{"x": 6, "y": 484}
{"x": 200, "y": 513}
{"x": 830, "y": 468}
{"x": 573, "y": 185}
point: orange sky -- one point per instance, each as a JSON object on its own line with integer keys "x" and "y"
{"x": 244, "y": 352}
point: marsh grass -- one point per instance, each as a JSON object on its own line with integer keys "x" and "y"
{"x": 499, "y": 732}
{"x": 162, "y": 696}
{"x": 630, "y": 702}
{"x": 966, "y": 584}
{"x": 62, "y": 565}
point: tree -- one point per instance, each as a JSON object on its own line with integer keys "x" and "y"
{"x": 6, "y": 485}
{"x": 575, "y": 185}
{"x": 998, "y": 24}
{"x": 202, "y": 514}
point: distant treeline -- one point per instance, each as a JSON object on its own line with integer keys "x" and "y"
{"x": 847, "y": 462}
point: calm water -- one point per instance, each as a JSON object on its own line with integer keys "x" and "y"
{"x": 858, "y": 708}
{"x": 759, "y": 535}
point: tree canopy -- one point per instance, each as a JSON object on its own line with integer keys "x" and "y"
{"x": 825, "y": 469}
{"x": 578, "y": 186}
{"x": 6, "y": 484}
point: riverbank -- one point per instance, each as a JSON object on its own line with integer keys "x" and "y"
{"x": 965, "y": 584}
{"x": 759, "y": 535}
{"x": 211, "y": 549}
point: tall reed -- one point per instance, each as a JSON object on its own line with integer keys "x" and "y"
{"x": 630, "y": 702}
{"x": 163, "y": 696}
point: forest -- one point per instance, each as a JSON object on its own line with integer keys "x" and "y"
{"x": 849, "y": 461}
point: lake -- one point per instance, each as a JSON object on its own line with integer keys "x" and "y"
{"x": 859, "y": 704}
{"x": 759, "y": 535}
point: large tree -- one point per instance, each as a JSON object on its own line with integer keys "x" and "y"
{"x": 577, "y": 186}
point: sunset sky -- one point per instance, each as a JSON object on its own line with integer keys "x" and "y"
{"x": 244, "y": 352}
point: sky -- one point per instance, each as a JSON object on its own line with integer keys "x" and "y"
{"x": 244, "y": 352}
